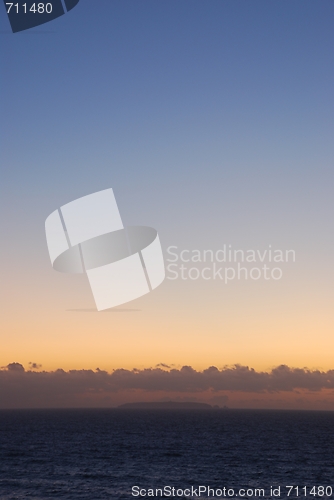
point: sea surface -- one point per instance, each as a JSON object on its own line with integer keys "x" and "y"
{"x": 102, "y": 454}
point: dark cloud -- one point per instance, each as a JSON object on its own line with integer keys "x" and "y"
{"x": 15, "y": 367}
{"x": 87, "y": 387}
{"x": 236, "y": 378}
{"x": 34, "y": 366}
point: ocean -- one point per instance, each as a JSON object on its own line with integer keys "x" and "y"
{"x": 126, "y": 454}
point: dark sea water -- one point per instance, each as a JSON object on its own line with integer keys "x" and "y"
{"x": 101, "y": 454}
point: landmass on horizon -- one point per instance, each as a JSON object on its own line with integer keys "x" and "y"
{"x": 169, "y": 405}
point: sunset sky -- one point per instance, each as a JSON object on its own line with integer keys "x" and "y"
{"x": 213, "y": 123}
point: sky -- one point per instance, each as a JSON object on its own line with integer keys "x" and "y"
{"x": 213, "y": 123}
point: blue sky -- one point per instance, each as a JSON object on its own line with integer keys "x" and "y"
{"x": 145, "y": 87}
{"x": 212, "y": 121}
{"x": 211, "y": 107}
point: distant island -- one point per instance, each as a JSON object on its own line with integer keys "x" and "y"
{"x": 166, "y": 405}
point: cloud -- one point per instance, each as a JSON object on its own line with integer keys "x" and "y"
{"x": 15, "y": 367}
{"x": 113, "y": 310}
{"x": 34, "y": 366}
{"x": 28, "y": 388}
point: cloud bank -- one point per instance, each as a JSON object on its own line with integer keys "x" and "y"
{"x": 78, "y": 388}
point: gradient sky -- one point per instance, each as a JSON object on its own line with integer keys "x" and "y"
{"x": 213, "y": 123}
